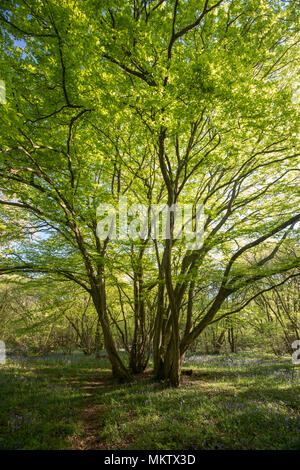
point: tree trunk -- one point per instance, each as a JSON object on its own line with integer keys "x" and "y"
{"x": 98, "y": 341}
{"x": 171, "y": 367}
{"x": 159, "y": 328}
{"x": 217, "y": 344}
{"x": 119, "y": 370}
{"x": 232, "y": 340}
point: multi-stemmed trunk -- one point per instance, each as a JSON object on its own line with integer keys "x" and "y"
{"x": 167, "y": 357}
{"x": 139, "y": 351}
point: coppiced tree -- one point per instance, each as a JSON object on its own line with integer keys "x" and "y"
{"x": 205, "y": 91}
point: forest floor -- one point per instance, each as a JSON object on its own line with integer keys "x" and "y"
{"x": 237, "y": 402}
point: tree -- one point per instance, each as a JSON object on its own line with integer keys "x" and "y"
{"x": 279, "y": 302}
{"x": 198, "y": 97}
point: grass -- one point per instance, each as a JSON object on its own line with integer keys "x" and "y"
{"x": 240, "y": 402}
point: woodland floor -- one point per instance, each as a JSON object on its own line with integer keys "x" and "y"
{"x": 72, "y": 402}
